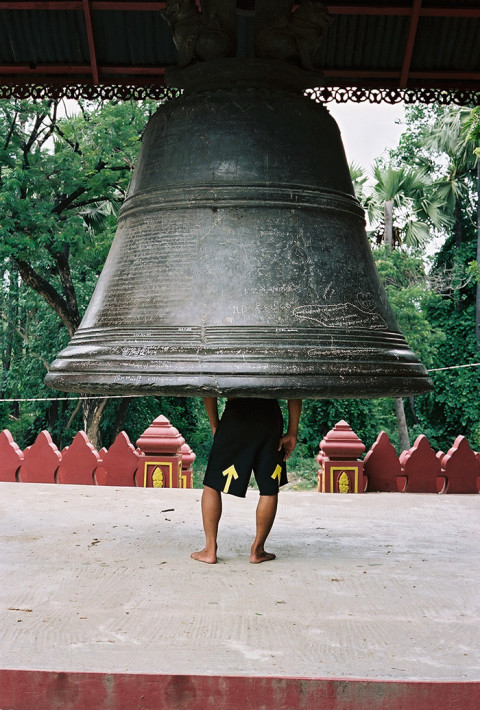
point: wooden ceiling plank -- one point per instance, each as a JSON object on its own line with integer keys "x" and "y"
{"x": 91, "y": 40}
{"x": 412, "y": 33}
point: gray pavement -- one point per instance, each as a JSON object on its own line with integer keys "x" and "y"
{"x": 378, "y": 586}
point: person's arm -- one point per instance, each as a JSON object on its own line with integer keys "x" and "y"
{"x": 211, "y": 407}
{"x": 289, "y": 440}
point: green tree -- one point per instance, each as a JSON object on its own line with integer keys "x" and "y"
{"x": 435, "y": 140}
{"x": 62, "y": 180}
{"x": 402, "y": 208}
{"x": 472, "y": 125}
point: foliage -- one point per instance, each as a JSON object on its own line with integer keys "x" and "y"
{"x": 416, "y": 204}
{"x": 62, "y": 179}
{"x": 472, "y": 125}
{"x": 452, "y": 408}
{"x": 405, "y": 281}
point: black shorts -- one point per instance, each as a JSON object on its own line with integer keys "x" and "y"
{"x": 247, "y": 440}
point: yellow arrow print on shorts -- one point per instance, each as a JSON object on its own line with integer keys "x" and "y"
{"x": 277, "y": 473}
{"x": 230, "y": 472}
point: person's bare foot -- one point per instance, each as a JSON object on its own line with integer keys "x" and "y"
{"x": 204, "y": 556}
{"x": 257, "y": 557}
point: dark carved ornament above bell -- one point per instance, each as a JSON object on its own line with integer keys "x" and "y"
{"x": 241, "y": 264}
{"x": 283, "y": 30}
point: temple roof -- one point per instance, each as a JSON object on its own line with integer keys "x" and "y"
{"x": 417, "y": 50}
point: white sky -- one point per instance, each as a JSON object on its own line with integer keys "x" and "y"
{"x": 367, "y": 129}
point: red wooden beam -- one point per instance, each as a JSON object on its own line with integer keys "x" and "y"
{"x": 453, "y": 76}
{"x": 450, "y": 12}
{"x": 78, "y": 69}
{"x": 346, "y": 74}
{"x": 367, "y": 10}
{"x": 91, "y": 40}
{"x": 412, "y": 33}
{"x": 382, "y": 9}
{"x": 153, "y": 6}
{"x": 143, "y": 71}
{"x": 42, "y": 5}
{"x": 125, "y": 5}
{"x": 13, "y": 69}
{"x": 147, "y": 6}
{"x": 62, "y": 81}
{"x": 361, "y": 73}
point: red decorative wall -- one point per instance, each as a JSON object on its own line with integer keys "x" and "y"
{"x": 418, "y": 470}
{"x": 120, "y": 465}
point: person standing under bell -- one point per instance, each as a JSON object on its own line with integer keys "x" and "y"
{"x": 249, "y": 437}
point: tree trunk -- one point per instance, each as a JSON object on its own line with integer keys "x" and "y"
{"x": 458, "y": 227}
{"x": 120, "y": 416}
{"x": 31, "y": 278}
{"x": 68, "y": 288}
{"x": 458, "y": 231}
{"x": 92, "y": 414}
{"x": 388, "y": 218}
{"x": 403, "y": 438}
{"x": 413, "y": 409}
{"x": 12, "y": 318}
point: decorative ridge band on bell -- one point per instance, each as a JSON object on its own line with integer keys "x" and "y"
{"x": 213, "y": 195}
{"x": 241, "y": 265}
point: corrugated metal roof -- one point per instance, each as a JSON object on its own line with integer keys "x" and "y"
{"x": 456, "y": 45}
{"x": 395, "y": 44}
{"x": 364, "y": 42}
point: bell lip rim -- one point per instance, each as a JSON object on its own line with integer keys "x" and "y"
{"x": 244, "y": 386}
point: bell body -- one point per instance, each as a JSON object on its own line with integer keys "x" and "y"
{"x": 241, "y": 265}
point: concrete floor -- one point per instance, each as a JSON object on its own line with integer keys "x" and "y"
{"x": 374, "y": 586}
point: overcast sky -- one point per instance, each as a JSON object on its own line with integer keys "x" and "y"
{"x": 367, "y": 129}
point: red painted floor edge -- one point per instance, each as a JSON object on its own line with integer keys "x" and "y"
{"x": 50, "y": 690}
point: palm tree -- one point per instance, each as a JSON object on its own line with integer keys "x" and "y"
{"x": 404, "y": 205}
{"x": 450, "y": 137}
{"x": 402, "y": 208}
{"x": 472, "y": 124}
{"x": 457, "y": 135}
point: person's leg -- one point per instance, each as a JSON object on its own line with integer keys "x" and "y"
{"x": 266, "y": 511}
{"x": 211, "y": 513}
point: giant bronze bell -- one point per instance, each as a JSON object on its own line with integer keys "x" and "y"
{"x": 241, "y": 264}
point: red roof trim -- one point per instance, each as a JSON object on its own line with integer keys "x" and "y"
{"x": 79, "y": 5}
{"x": 91, "y": 41}
{"x": 62, "y": 69}
{"x": 412, "y": 33}
{"x": 142, "y": 75}
{"x": 152, "y": 6}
